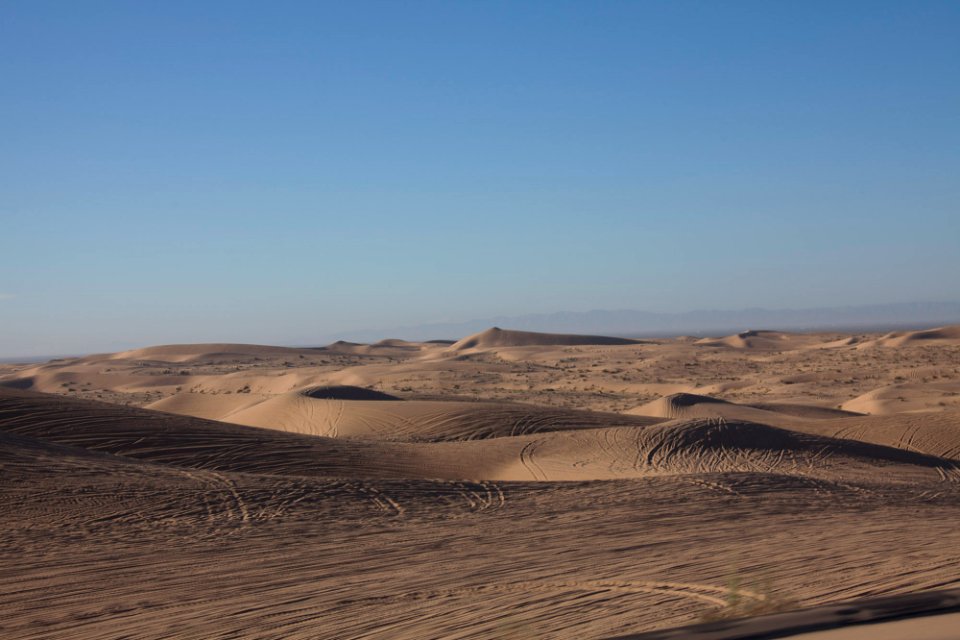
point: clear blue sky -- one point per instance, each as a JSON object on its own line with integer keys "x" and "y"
{"x": 274, "y": 171}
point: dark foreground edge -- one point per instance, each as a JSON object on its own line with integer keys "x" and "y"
{"x": 782, "y": 625}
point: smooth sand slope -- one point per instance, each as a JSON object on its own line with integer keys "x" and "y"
{"x": 941, "y": 336}
{"x": 179, "y": 353}
{"x": 691, "y": 405}
{"x": 348, "y": 412}
{"x": 908, "y": 397}
{"x": 408, "y": 490}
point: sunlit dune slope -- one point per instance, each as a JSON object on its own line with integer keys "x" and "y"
{"x": 349, "y": 412}
{"x": 908, "y": 397}
{"x": 771, "y": 340}
{"x": 941, "y": 336}
{"x": 691, "y": 405}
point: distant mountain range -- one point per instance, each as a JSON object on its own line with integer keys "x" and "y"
{"x": 632, "y": 323}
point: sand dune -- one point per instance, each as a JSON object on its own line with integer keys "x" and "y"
{"x": 690, "y": 405}
{"x": 382, "y": 349}
{"x": 772, "y": 340}
{"x": 211, "y": 352}
{"x": 809, "y": 411}
{"x": 186, "y": 442}
{"x": 22, "y": 454}
{"x": 936, "y": 434}
{"x": 179, "y": 353}
{"x": 351, "y": 414}
{"x": 688, "y": 448}
{"x": 942, "y": 336}
{"x": 641, "y": 449}
{"x": 678, "y": 404}
{"x": 907, "y": 397}
{"x": 931, "y": 433}
{"x": 497, "y": 337}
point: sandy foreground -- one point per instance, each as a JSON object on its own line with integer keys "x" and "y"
{"x": 506, "y": 485}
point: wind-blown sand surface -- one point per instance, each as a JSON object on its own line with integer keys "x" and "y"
{"x": 509, "y": 485}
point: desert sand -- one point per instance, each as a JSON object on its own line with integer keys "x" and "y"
{"x": 505, "y": 485}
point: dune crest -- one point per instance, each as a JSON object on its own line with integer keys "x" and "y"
{"x": 349, "y": 412}
{"x": 763, "y": 340}
{"x": 941, "y": 336}
{"x": 497, "y": 337}
{"x": 691, "y": 405}
{"x": 179, "y": 353}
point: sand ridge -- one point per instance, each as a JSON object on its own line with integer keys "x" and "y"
{"x": 356, "y": 416}
{"x": 941, "y": 336}
{"x": 497, "y": 337}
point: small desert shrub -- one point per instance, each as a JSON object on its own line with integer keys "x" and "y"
{"x": 756, "y": 600}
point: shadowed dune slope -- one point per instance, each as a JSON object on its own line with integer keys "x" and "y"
{"x": 196, "y": 443}
{"x": 41, "y": 456}
{"x": 809, "y": 411}
{"x": 497, "y": 337}
{"x": 345, "y": 392}
{"x": 51, "y": 489}
{"x": 315, "y": 412}
{"x": 691, "y": 405}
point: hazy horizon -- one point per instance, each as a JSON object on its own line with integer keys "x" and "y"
{"x": 632, "y": 323}
{"x": 233, "y": 172}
